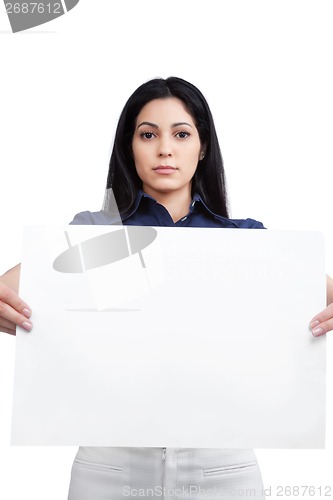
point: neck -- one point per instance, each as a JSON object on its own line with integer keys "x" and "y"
{"x": 176, "y": 202}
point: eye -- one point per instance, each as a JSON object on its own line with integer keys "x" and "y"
{"x": 147, "y": 135}
{"x": 182, "y": 135}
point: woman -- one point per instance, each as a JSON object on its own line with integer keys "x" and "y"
{"x": 166, "y": 169}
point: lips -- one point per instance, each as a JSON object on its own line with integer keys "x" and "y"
{"x": 165, "y": 169}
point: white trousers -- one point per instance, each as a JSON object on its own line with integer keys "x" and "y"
{"x": 166, "y": 473}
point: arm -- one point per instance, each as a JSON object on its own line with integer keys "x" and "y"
{"x": 329, "y": 282}
{"x": 13, "y": 311}
{"x": 323, "y": 322}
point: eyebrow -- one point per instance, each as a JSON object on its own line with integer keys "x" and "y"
{"x": 153, "y": 125}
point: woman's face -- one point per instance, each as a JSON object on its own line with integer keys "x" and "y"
{"x": 166, "y": 146}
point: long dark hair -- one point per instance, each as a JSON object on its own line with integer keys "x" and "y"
{"x": 209, "y": 178}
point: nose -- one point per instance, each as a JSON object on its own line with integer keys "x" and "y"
{"x": 165, "y": 149}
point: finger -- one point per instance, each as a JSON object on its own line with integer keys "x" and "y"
{"x": 321, "y": 328}
{"x": 9, "y": 316}
{"x": 8, "y": 296}
{"x": 10, "y": 327}
{"x": 322, "y": 322}
{"x": 323, "y": 316}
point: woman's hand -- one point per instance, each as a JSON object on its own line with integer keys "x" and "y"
{"x": 323, "y": 322}
{"x": 13, "y": 311}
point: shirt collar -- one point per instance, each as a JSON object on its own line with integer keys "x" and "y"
{"x": 226, "y": 221}
{"x": 196, "y": 198}
{"x": 141, "y": 194}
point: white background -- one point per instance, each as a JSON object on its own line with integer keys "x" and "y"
{"x": 266, "y": 70}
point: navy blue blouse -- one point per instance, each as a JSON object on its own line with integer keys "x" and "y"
{"x": 148, "y": 212}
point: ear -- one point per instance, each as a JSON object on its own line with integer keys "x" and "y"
{"x": 202, "y": 151}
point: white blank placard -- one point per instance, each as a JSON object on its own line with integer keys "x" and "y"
{"x": 216, "y": 352}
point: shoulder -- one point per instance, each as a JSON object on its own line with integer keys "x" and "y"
{"x": 94, "y": 218}
{"x": 248, "y": 223}
{"x": 227, "y": 222}
{"x": 239, "y": 223}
